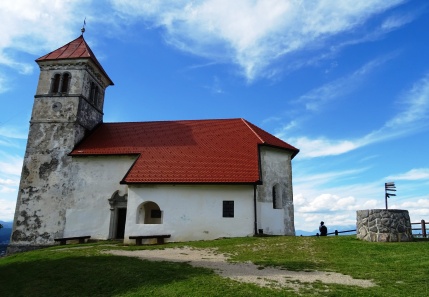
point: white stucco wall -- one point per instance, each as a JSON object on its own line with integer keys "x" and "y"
{"x": 270, "y": 220}
{"x": 192, "y": 212}
{"x": 276, "y": 168}
{"x": 96, "y": 178}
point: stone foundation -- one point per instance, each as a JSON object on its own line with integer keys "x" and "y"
{"x": 381, "y": 225}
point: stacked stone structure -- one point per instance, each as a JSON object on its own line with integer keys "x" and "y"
{"x": 384, "y": 225}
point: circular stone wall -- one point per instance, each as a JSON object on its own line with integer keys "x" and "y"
{"x": 383, "y": 225}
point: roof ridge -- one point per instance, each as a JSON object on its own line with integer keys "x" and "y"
{"x": 257, "y": 135}
{"x": 163, "y": 121}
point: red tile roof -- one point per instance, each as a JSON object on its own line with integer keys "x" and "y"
{"x": 198, "y": 151}
{"x": 76, "y": 49}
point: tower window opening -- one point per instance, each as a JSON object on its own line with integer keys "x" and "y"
{"x": 60, "y": 83}
{"x": 96, "y": 96}
{"x": 93, "y": 94}
{"x": 277, "y": 199}
{"x": 56, "y": 83}
{"x": 65, "y": 83}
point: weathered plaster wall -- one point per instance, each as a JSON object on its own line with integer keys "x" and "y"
{"x": 47, "y": 181}
{"x": 45, "y": 185}
{"x": 97, "y": 178}
{"x": 276, "y": 168}
{"x": 192, "y": 212}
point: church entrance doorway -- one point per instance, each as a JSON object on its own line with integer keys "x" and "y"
{"x": 118, "y": 215}
{"x": 120, "y": 223}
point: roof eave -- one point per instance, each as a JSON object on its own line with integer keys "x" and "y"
{"x": 123, "y": 182}
{"x": 294, "y": 151}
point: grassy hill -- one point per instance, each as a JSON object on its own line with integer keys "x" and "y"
{"x": 397, "y": 269}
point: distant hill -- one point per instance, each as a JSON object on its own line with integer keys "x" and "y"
{"x": 330, "y": 229}
{"x": 5, "y": 235}
{"x": 5, "y": 232}
{"x": 6, "y": 224}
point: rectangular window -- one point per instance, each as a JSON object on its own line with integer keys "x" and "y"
{"x": 155, "y": 214}
{"x": 228, "y": 209}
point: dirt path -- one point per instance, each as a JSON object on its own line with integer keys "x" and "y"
{"x": 243, "y": 272}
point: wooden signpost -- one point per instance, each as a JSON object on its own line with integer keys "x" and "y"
{"x": 388, "y": 187}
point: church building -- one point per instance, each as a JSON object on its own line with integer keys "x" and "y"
{"x": 190, "y": 179}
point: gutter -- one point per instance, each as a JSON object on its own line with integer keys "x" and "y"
{"x": 254, "y": 209}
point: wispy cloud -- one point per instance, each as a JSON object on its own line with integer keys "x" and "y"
{"x": 411, "y": 118}
{"x": 413, "y": 174}
{"x": 12, "y": 132}
{"x": 251, "y": 34}
{"x": 7, "y": 209}
{"x": 317, "y": 98}
{"x": 9, "y": 182}
{"x": 10, "y": 165}
{"x": 326, "y": 177}
{"x": 215, "y": 87}
{"x": 320, "y": 147}
{"x": 3, "y": 84}
{"x": 35, "y": 25}
{"x": 397, "y": 21}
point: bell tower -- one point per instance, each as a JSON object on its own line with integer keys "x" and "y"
{"x": 68, "y": 104}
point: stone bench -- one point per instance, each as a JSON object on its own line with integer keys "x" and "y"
{"x": 159, "y": 238}
{"x": 64, "y": 240}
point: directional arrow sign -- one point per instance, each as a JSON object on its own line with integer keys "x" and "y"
{"x": 389, "y": 187}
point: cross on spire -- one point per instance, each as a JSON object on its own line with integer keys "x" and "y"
{"x": 83, "y": 27}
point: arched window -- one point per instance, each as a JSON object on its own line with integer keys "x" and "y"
{"x": 56, "y": 83}
{"x": 149, "y": 213}
{"x": 277, "y": 198}
{"x": 65, "y": 83}
{"x": 93, "y": 93}
{"x": 60, "y": 83}
{"x": 96, "y": 96}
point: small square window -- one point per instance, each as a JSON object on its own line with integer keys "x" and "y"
{"x": 228, "y": 209}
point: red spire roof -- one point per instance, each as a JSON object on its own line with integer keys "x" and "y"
{"x": 76, "y": 49}
{"x": 199, "y": 151}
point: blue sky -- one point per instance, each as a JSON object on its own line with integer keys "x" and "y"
{"x": 346, "y": 82}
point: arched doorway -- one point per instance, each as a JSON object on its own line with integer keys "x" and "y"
{"x": 118, "y": 215}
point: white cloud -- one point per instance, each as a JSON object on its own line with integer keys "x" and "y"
{"x": 412, "y": 117}
{"x": 312, "y": 148}
{"x": 216, "y": 87}
{"x": 328, "y": 203}
{"x": 251, "y": 33}
{"x": 33, "y": 26}
{"x": 326, "y": 177}
{"x": 397, "y": 21}
{"x": 3, "y": 84}
{"x": 416, "y": 103}
{"x": 13, "y": 132}
{"x": 9, "y": 182}
{"x": 10, "y": 165}
{"x": 337, "y": 89}
{"x": 7, "y": 209}
{"x": 413, "y": 174}
{"x": 319, "y": 197}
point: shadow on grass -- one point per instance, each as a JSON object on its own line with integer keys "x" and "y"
{"x": 91, "y": 276}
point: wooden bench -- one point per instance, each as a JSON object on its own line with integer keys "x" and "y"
{"x": 64, "y": 239}
{"x": 159, "y": 238}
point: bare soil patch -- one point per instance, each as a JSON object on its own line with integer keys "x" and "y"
{"x": 244, "y": 272}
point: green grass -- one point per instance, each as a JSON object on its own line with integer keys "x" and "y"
{"x": 398, "y": 269}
